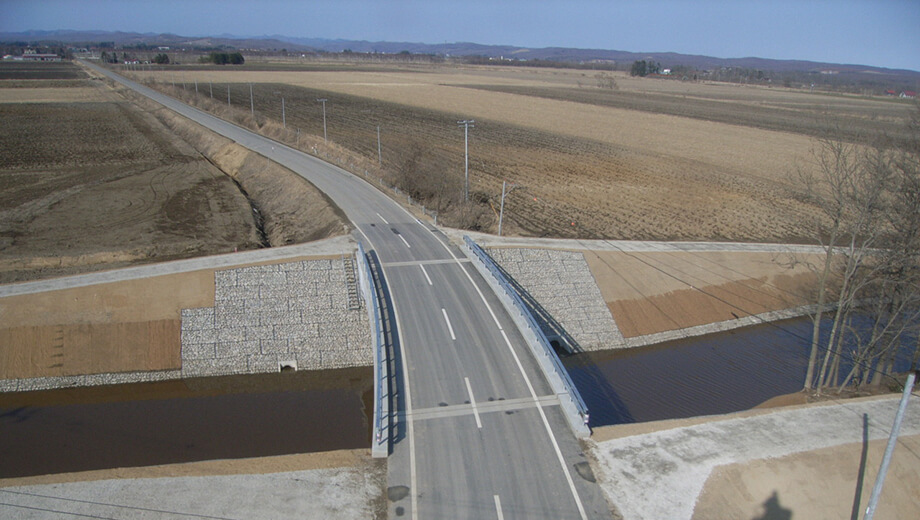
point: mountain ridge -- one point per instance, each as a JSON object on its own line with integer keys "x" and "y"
{"x": 456, "y": 49}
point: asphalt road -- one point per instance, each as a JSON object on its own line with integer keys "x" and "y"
{"x": 480, "y": 433}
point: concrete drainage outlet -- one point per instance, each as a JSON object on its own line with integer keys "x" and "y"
{"x": 287, "y": 366}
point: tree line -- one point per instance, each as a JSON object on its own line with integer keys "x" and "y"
{"x": 868, "y": 282}
{"x": 223, "y": 58}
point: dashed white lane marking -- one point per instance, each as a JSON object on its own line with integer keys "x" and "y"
{"x": 449, "y": 328}
{"x": 404, "y": 241}
{"x": 426, "y": 274}
{"x": 498, "y": 508}
{"x": 383, "y": 219}
{"x": 473, "y": 402}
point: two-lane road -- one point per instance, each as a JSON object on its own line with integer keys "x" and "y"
{"x": 484, "y": 436}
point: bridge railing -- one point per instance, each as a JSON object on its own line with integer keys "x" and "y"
{"x": 558, "y": 376}
{"x": 380, "y": 444}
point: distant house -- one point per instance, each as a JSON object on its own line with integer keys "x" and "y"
{"x": 40, "y": 57}
{"x": 908, "y": 94}
{"x": 891, "y": 92}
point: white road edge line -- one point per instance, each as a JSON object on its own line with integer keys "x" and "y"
{"x": 410, "y": 425}
{"x": 383, "y": 219}
{"x": 426, "y": 274}
{"x": 473, "y": 403}
{"x": 533, "y": 393}
{"x": 498, "y": 508}
{"x": 449, "y": 328}
{"x": 404, "y": 241}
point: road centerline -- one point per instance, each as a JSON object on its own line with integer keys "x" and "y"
{"x": 426, "y": 274}
{"x": 498, "y": 508}
{"x": 469, "y": 389}
{"x": 449, "y": 327}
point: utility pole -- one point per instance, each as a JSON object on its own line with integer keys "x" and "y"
{"x": 323, "y": 101}
{"x": 196, "y": 86}
{"x": 211, "y": 89}
{"x": 252, "y": 106}
{"x": 283, "y": 120}
{"x": 466, "y": 124}
{"x": 889, "y": 449}
{"x": 379, "y": 156}
{"x": 228, "y": 95}
{"x": 501, "y": 211}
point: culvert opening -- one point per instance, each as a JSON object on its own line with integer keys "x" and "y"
{"x": 287, "y": 366}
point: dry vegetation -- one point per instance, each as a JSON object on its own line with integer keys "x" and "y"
{"x": 91, "y": 180}
{"x": 653, "y": 159}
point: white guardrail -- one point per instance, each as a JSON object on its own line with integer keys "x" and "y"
{"x": 380, "y": 440}
{"x": 572, "y": 404}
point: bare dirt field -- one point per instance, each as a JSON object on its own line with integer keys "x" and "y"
{"x": 117, "y": 327}
{"x": 92, "y": 180}
{"x": 656, "y": 159}
{"x": 654, "y": 292}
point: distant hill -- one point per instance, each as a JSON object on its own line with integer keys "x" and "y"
{"x": 460, "y": 49}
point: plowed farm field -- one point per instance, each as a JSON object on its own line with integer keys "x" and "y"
{"x": 655, "y": 159}
{"x": 89, "y": 181}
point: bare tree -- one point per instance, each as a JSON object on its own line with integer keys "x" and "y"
{"x": 870, "y": 200}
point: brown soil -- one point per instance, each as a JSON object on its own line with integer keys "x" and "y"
{"x": 655, "y": 292}
{"x": 93, "y": 181}
{"x": 820, "y": 484}
{"x": 116, "y": 327}
{"x": 650, "y": 161}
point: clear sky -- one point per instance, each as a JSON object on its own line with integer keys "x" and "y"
{"x": 884, "y": 33}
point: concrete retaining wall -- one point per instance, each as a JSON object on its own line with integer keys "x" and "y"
{"x": 292, "y": 314}
{"x": 562, "y": 283}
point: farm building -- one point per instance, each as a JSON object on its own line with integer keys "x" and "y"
{"x": 40, "y": 57}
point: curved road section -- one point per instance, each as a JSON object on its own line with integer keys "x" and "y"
{"x": 480, "y": 433}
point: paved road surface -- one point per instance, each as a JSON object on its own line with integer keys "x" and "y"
{"x": 480, "y": 434}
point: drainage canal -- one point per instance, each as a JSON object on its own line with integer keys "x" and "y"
{"x": 712, "y": 374}
{"x": 184, "y": 421}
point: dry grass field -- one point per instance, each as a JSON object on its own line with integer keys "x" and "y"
{"x": 655, "y": 159}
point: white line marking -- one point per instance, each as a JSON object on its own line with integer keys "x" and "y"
{"x": 533, "y": 394}
{"x": 473, "y": 402}
{"x": 451, "y": 329}
{"x": 383, "y": 219}
{"x": 498, "y": 508}
{"x": 426, "y": 274}
{"x": 549, "y": 430}
{"x": 404, "y": 241}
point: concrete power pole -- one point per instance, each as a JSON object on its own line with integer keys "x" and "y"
{"x": 379, "y": 155}
{"x": 252, "y": 106}
{"x": 501, "y": 211}
{"x": 323, "y": 101}
{"x": 466, "y": 124}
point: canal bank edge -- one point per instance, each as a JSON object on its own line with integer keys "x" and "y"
{"x": 298, "y": 291}
{"x": 253, "y": 325}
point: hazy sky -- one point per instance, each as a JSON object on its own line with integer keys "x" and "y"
{"x": 883, "y": 33}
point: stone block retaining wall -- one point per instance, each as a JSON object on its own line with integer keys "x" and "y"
{"x": 562, "y": 283}
{"x": 293, "y": 314}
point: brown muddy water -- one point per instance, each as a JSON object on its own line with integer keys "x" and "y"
{"x": 190, "y": 420}
{"x": 713, "y": 374}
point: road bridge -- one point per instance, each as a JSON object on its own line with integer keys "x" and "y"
{"x": 479, "y": 432}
